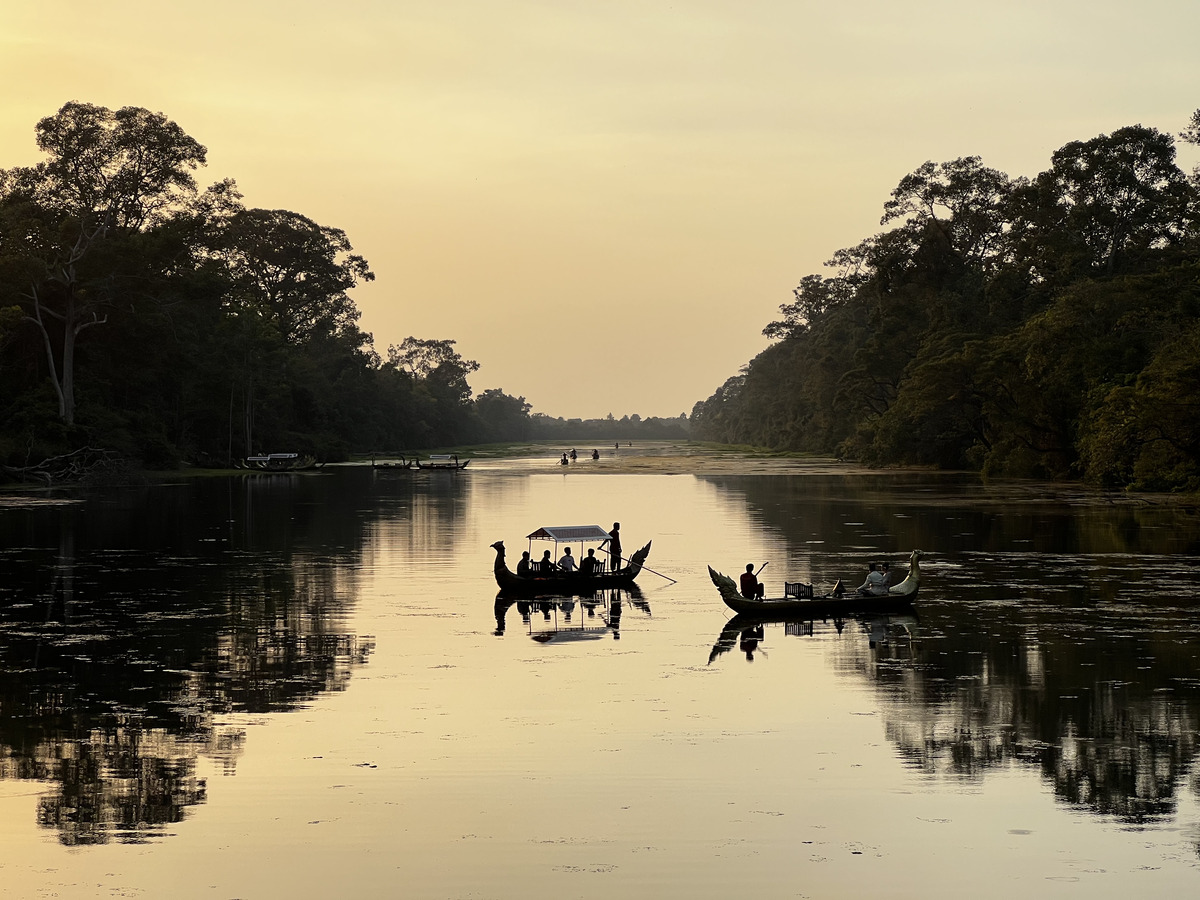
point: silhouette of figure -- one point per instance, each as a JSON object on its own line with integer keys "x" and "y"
{"x": 751, "y": 588}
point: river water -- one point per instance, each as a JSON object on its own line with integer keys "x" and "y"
{"x": 303, "y": 686}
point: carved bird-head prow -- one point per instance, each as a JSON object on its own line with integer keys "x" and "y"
{"x": 499, "y": 547}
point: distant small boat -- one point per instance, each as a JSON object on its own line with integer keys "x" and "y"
{"x": 279, "y": 462}
{"x": 799, "y": 600}
{"x": 442, "y": 461}
{"x": 403, "y": 464}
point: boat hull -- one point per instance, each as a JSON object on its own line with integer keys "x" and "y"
{"x": 820, "y": 607}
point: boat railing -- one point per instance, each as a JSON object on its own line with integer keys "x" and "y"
{"x": 797, "y": 590}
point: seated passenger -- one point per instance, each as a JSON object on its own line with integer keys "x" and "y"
{"x": 566, "y": 562}
{"x": 524, "y": 567}
{"x": 875, "y": 583}
{"x": 587, "y": 566}
{"x": 546, "y": 565}
{"x": 752, "y": 589}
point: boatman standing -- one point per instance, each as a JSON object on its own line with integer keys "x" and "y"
{"x": 614, "y": 547}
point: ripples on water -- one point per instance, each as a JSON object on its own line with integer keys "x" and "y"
{"x": 303, "y": 685}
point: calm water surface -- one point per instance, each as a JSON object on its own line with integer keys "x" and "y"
{"x": 304, "y": 686}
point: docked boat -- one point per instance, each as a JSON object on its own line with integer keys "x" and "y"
{"x": 401, "y": 464}
{"x": 441, "y": 462}
{"x": 555, "y": 581}
{"x": 799, "y": 600}
{"x": 279, "y": 462}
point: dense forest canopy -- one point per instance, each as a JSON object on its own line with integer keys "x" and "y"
{"x": 170, "y": 324}
{"x": 1045, "y": 327}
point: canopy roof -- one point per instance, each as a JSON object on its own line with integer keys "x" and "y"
{"x": 571, "y": 533}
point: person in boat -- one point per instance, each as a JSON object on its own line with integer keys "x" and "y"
{"x": 566, "y": 563}
{"x": 546, "y": 565}
{"x": 752, "y": 588}
{"x": 587, "y": 565}
{"x": 524, "y": 567}
{"x": 888, "y": 579}
{"x": 595, "y": 454}
{"x": 564, "y": 461}
{"x": 875, "y": 583}
{"x": 574, "y": 455}
{"x": 614, "y": 547}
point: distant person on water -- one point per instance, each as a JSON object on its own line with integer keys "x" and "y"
{"x": 564, "y": 461}
{"x": 617, "y": 445}
{"x": 566, "y": 563}
{"x": 874, "y": 583}
{"x": 574, "y": 456}
{"x": 752, "y": 588}
{"x": 524, "y": 566}
{"x": 595, "y": 454}
{"x": 614, "y": 547}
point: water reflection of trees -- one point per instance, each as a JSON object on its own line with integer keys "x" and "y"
{"x": 116, "y": 664}
{"x": 1108, "y": 711}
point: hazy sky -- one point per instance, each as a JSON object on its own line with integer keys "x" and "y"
{"x": 602, "y": 202}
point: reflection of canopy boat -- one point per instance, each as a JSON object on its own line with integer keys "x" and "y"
{"x": 549, "y": 618}
{"x": 798, "y": 600}
{"x": 279, "y": 462}
{"x": 557, "y": 582}
{"x": 441, "y": 461}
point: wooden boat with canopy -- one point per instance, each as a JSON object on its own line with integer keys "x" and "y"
{"x": 799, "y": 600}
{"x": 554, "y": 581}
{"x": 279, "y": 462}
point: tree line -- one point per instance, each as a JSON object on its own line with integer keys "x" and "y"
{"x": 173, "y": 324}
{"x": 1044, "y": 327}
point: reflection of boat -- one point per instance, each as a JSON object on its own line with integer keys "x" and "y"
{"x": 799, "y": 601}
{"x": 279, "y": 462}
{"x": 565, "y": 617}
{"x": 748, "y": 631}
{"x": 441, "y": 462}
{"x": 555, "y": 581}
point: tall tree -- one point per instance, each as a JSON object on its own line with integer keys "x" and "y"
{"x": 108, "y": 175}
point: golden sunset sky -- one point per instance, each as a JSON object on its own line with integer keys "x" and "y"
{"x": 602, "y": 202}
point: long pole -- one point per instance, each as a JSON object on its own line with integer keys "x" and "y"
{"x": 650, "y": 570}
